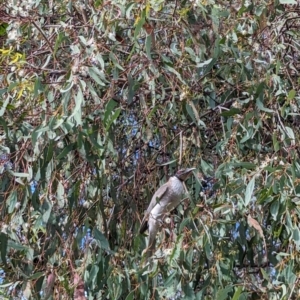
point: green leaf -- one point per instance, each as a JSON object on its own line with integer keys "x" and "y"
{"x": 177, "y": 249}
{"x": 3, "y": 246}
{"x": 291, "y": 95}
{"x": 261, "y": 107}
{"x": 223, "y": 293}
{"x": 246, "y": 165}
{"x": 108, "y": 109}
{"x": 37, "y": 275}
{"x": 66, "y": 150}
{"x": 290, "y": 133}
{"x": 148, "y": 46}
{"x": 47, "y": 208}
{"x": 190, "y": 112}
{"x": 229, "y": 113}
{"x": 188, "y": 292}
{"x": 103, "y": 243}
{"x": 274, "y": 209}
{"x": 4, "y": 105}
{"x": 95, "y": 76}
{"x": 296, "y": 238}
{"x": 206, "y": 168}
{"x": 288, "y": 2}
{"x": 38, "y": 132}
{"x": 128, "y": 9}
{"x": 249, "y": 191}
{"x": 237, "y": 293}
{"x": 77, "y": 112}
{"x": 131, "y": 90}
{"x": 115, "y": 61}
{"x": 58, "y": 41}
{"x": 68, "y": 86}
{"x": 172, "y": 70}
{"x": 4, "y": 125}
{"x": 16, "y": 246}
{"x": 183, "y": 224}
{"x": 205, "y": 63}
{"x": 113, "y": 118}
{"x": 170, "y": 279}
{"x": 6, "y": 285}
{"x": 49, "y": 152}
{"x": 130, "y": 296}
{"x": 140, "y": 24}
{"x": 93, "y": 275}
{"x": 208, "y": 67}
{"x": 275, "y": 142}
{"x": 3, "y": 27}
{"x": 11, "y": 201}
{"x": 60, "y": 194}
{"x": 24, "y": 175}
{"x": 168, "y": 163}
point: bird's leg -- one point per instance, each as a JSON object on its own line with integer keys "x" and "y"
{"x": 185, "y": 188}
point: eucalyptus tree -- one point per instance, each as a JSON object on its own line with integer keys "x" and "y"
{"x": 101, "y": 102}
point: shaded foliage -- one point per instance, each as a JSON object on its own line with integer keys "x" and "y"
{"x": 102, "y": 101}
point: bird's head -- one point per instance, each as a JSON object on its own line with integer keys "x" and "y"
{"x": 183, "y": 174}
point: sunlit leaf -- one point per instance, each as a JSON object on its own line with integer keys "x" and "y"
{"x": 288, "y": 2}
{"x": 139, "y": 22}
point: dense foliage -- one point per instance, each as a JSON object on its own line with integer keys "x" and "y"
{"x": 102, "y": 101}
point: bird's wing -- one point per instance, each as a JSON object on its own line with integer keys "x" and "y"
{"x": 154, "y": 201}
{"x": 157, "y": 196}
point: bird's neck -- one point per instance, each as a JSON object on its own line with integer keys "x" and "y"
{"x": 178, "y": 178}
{"x": 175, "y": 179}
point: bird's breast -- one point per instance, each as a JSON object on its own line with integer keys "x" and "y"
{"x": 171, "y": 198}
{"x": 176, "y": 186}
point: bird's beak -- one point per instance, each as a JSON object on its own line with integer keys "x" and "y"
{"x": 188, "y": 170}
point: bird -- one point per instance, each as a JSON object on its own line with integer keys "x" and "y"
{"x": 165, "y": 199}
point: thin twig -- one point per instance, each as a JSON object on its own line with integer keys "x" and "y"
{"x": 47, "y": 41}
{"x": 180, "y": 150}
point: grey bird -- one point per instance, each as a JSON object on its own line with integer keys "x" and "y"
{"x": 165, "y": 199}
